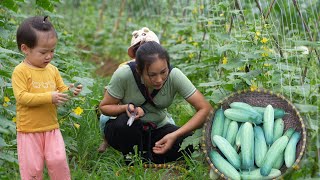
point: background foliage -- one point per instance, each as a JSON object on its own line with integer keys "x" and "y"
{"x": 221, "y": 45}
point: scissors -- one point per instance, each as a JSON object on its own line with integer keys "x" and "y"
{"x": 133, "y": 114}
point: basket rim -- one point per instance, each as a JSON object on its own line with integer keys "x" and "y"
{"x": 295, "y": 166}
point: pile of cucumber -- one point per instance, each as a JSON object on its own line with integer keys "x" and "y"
{"x": 252, "y": 141}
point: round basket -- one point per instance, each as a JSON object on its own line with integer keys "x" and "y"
{"x": 260, "y": 97}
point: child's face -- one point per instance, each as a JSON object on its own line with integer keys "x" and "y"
{"x": 156, "y": 74}
{"x": 42, "y": 54}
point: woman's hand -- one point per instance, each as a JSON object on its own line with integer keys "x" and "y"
{"x": 58, "y": 98}
{"x": 138, "y": 110}
{"x": 164, "y": 144}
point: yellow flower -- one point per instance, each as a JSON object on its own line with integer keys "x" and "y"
{"x": 191, "y": 55}
{"x": 210, "y": 23}
{"x": 266, "y": 65}
{"x": 224, "y": 60}
{"x": 253, "y": 87}
{"x": 195, "y": 44}
{"x": 221, "y": 14}
{"x": 264, "y": 40}
{"x": 76, "y": 125}
{"x": 195, "y": 11}
{"x": 78, "y": 111}
{"x": 268, "y": 73}
{"x": 202, "y": 7}
{"x": 295, "y": 167}
{"x": 264, "y": 54}
{"x": 6, "y": 99}
{"x": 242, "y": 68}
{"x": 265, "y": 48}
{"x": 5, "y": 105}
{"x": 227, "y": 26}
{"x": 258, "y": 33}
{"x": 14, "y": 119}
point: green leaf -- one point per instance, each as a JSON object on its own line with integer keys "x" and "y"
{"x": 7, "y": 51}
{"x": 313, "y": 124}
{"x": 306, "y": 43}
{"x": 5, "y": 123}
{"x": 10, "y": 4}
{"x": 8, "y": 157}
{"x": 230, "y": 47}
{"x": 4, "y": 131}
{"x": 2, "y": 143}
{"x": 306, "y": 108}
{"x": 5, "y": 73}
{"x": 45, "y": 4}
{"x": 232, "y": 64}
{"x": 193, "y": 140}
{"x": 251, "y": 75}
{"x": 212, "y": 83}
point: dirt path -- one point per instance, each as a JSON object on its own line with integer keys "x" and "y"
{"x": 106, "y": 66}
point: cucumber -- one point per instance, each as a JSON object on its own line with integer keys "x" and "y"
{"x": 260, "y": 146}
{"x": 225, "y": 127}
{"x": 255, "y": 174}
{"x": 271, "y": 157}
{"x": 247, "y": 146}
{"x": 232, "y": 132}
{"x": 278, "y": 112}
{"x": 289, "y": 132}
{"x": 217, "y": 124}
{"x": 290, "y": 151}
{"x": 278, "y": 129}
{"x": 279, "y": 162}
{"x": 241, "y": 115}
{"x": 227, "y": 150}
{"x": 268, "y": 124}
{"x": 238, "y": 143}
{"x": 224, "y": 166}
{"x": 246, "y": 107}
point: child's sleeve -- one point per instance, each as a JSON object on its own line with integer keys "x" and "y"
{"x": 61, "y": 87}
{"x": 20, "y": 90}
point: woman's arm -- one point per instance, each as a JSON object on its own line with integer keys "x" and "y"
{"x": 203, "y": 109}
{"x": 111, "y": 106}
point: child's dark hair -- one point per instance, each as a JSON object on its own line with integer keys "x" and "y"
{"x": 26, "y": 33}
{"x": 148, "y": 52}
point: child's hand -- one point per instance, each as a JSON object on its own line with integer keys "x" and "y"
{"x": 77, "y": 89}
{"x": 59, "y": 98}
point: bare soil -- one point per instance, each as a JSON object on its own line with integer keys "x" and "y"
{"x": 106, "y": 67}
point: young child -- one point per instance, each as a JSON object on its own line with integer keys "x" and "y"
{"x": 38, "y": 89}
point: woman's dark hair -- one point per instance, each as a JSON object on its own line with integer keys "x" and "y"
{"x": 149, "y": 52}
{"x": 26, "y": 33}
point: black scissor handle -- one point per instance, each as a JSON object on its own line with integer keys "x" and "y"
{"x": 135, "y": 109}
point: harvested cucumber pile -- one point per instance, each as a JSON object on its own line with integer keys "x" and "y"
{"x": 252, "y": 142}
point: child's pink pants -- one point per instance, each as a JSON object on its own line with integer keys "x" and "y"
{"x": 36, "y": 148}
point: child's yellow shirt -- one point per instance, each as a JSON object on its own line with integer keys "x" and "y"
{"x": 33, "y": 89}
